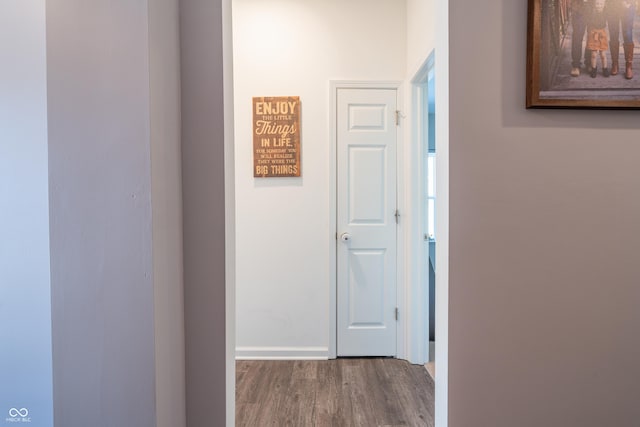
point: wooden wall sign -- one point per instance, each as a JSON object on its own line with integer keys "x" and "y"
{"x": 276, "y": 136}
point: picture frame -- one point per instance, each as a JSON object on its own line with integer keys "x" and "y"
{"x": 554, "y": 57}
{"x": 276, "y": 137}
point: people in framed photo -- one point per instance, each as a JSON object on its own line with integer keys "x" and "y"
{"x": 583, "y": 54}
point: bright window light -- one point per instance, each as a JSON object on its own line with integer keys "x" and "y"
{"x": 431, "y": 195}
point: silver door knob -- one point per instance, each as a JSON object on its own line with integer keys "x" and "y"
{"x": 345, "y": 237}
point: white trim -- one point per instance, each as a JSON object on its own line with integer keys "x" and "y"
{"x": 230, "y": 216}
{"x": 282, "y": 353}
{"x": 400, "y": 287}
{"x": 333, "y": 224}
{"x": 442, "y": 214}
{"x": 402, "y": 332}
{"x": 417, "y": 294}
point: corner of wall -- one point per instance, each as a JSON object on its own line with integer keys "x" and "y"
{"x": 230, "y": 212}
{"x": 166, "y": 199}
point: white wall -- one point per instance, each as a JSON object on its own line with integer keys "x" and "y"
{"x": 286, "y": 47}
{"x": 25, "y": 303}
{"x": 421, "y": 33}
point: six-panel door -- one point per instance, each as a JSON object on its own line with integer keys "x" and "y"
{"x": 366, "y": 180}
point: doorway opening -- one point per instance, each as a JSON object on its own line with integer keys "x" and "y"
{"x": 284, "y": 232}
{"x": 424, "y": 140}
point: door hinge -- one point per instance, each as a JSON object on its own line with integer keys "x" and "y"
{"x": 397, "y": 215}
{"x": 397, "y": 313}
{"x": 399, "y": 116}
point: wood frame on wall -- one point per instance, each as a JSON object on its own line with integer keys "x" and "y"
{"x": 548, "y": 39}
{"x": 276, "y": 137}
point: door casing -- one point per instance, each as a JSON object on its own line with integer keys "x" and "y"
{"x": 419, "y": 250}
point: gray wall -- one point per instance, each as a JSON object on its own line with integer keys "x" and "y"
{"x": 101, "y": 213}
{"x": 116, "y": 212}
{"x": 203, "y": 184}
{"x": 166, "y": 196}
{"x": 25, "y": 305}
{"x": 544, "y": 222}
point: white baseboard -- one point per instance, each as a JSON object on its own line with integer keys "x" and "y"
{"x": 282, "y": 353}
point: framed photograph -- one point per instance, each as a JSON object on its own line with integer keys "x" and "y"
{"x": 583, "y": 54}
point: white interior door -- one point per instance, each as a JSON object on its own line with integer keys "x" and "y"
{"x": 366, "y": 209}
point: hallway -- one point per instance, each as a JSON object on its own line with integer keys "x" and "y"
{"x": 343, "y": 392}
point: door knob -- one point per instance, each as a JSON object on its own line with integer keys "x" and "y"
{"x": 345, "y": 237}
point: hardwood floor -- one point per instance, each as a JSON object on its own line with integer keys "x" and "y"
{"x": 335, "y": 393}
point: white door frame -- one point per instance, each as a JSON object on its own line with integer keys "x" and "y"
{"x": 417, "y": 248}
{"x": 333, "y": 211}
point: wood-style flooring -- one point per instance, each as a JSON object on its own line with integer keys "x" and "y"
{"x": 335, "y": 393}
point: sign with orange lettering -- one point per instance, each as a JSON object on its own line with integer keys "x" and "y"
{"x": 276, "y": 136}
